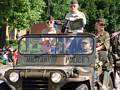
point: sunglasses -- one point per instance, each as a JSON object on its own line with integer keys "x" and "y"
{"x": 101, "y": 24}
{"x": 49, "y": 22}
{"x": 72, "y": 6}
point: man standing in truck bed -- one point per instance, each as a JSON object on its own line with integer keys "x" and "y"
{"x": 74, "y": 15}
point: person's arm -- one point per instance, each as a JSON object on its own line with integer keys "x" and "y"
{"x": 84, "y": 19}
{"x": 82, "y": 16}
{"x": 105, "y": 44}
{"x": 107, "y": 41}
{"x": 100, "y": 47}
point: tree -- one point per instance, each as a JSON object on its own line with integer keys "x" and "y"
{"x": 58, "y": 8}
{"x": 21, "y": 13}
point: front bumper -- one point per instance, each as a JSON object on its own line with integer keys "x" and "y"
{"x": 41, "y": 78}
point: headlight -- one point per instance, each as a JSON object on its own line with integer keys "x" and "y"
{"x": 14, "y": 77}
{"x": 82, "y": 87}
{"x": 56, "y": 77}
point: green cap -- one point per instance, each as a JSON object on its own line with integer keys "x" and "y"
{"x": 102, "y": 20}
{"x": 74, "y": 2}
{"x": 86, "y": 40}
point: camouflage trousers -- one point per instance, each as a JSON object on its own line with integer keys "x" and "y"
{"x": 102, "y": 56}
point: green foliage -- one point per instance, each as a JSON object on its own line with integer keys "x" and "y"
{"x": 60, "y": 8}
{"x": 21, "y": 13}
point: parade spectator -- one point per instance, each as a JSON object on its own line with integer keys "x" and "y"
{"x": 15, "y": 56}
{"x": 18, "y": 35}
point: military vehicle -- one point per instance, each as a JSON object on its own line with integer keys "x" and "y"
{"x": 59, "y": 62}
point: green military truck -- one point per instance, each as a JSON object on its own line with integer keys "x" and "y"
{"x": 58, "y": 62}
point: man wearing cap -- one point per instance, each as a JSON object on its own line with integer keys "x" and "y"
{"x": 102, "y": 39}
{"x": 86, "y": 46}
{"x": 75, "y": 14}
{"x": 72, "y": 24}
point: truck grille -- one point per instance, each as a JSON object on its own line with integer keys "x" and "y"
{"x": 35, "y": 84}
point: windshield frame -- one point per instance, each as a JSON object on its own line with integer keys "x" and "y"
{"x": 92, "y": 36}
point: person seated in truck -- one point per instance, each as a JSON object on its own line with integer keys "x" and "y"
{"x": 50, "y": 29}
{"x": 102, "y": 39}
{"x": 86, "y": 46}
{"x": 47, "y": 44}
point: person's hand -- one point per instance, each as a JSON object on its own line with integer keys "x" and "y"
{"x": 98, "y": 44}
{"x": 97, "y": 49}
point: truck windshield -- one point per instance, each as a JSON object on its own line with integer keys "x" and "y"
{"x": 56, "y": 45}
{"x": 58, "y": 49}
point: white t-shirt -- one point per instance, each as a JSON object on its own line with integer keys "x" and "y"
{"x": 74, "y": 16}
{"x": 47, "y": 48}
{"x": 45, "y": 31}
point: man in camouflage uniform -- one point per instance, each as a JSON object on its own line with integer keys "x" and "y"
{"x": 115, "y": 43}
{"x": 102, "y": 39}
